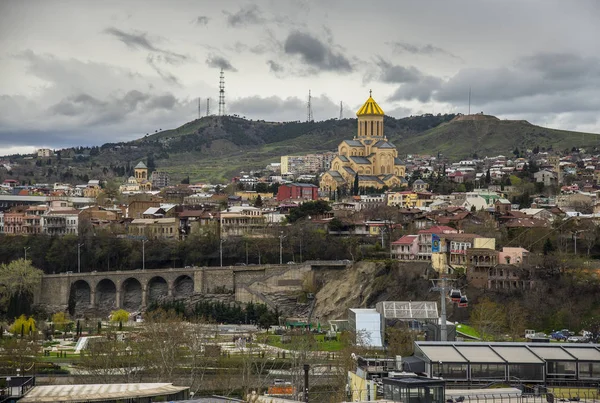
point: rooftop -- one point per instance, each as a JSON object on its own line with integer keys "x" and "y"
{"x": 370, "y": 107}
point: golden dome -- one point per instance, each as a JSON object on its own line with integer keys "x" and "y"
{"x": 370, "y": 108}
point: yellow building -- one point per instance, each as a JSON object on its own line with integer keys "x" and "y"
{"x": 406, "y": 199}
{"x": 369, "y": 154}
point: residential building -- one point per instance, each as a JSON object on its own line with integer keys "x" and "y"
{"x": 480, "y": 200}
{"x": 404, "y": 199}
{"x": 548, "y": 178}
{"x": 60, "y": 222}
{"x": 369, "y": 156}
{"x": 167, "y": 228}
{"x": 297, "y": 191}
{"x": 159, "y": 179}
{"x": 425, "y": 240}
{"x": 44, "y": 153}
{"x": 242, "y": 221}
{"x": 405, "y": 248}
{"x": 479, "y": 262}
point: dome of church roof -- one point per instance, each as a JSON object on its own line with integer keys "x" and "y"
{"x": 370, "y": 108}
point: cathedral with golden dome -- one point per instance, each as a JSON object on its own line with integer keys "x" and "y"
{"x": 370, "y": 156}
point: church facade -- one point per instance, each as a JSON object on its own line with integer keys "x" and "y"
{"x": 369, "y": 155}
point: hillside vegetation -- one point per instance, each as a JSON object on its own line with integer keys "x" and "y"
{"x": 217, "y": 148}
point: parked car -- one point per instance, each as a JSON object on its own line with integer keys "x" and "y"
{"x": 559, "y": 336}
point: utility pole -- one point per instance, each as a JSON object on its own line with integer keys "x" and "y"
{"x": 221, "y": 252}
{"x": 306, "y": 368}
{"x": 144, "y": 253}
{"x": 26, "y": 249}
{"x": 79, "y": 245}
{"x": 442, "y": 288}
{"x": 281, "y": 248}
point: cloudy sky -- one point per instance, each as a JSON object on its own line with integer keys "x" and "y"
{"x": 86, "y": 72}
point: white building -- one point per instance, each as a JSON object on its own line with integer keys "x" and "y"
{"x": 366, "y": 324}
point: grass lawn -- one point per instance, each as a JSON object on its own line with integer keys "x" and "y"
{"x": 321, "y": 343}
{"x": 467, "y": 330}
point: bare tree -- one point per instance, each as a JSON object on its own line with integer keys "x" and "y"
{"x": 487, "y": 317}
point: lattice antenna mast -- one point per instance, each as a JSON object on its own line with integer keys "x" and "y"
{"x": 341, "y": 110}
{"x": 207, "y": 106}
{"x": 469, "y": 100}
{"x": 199, "y": 108}
{"x": 222, "y": 94}
{"x": 309, "y": 114}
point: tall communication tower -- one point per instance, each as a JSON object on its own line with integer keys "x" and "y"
{"x": 341, "y": 110}
{"x": 309, "y": 113}
{"x": 469, "y": 100}
{"x": 199, "y": 108}
{"x": 207, "y": 106}
{"x": 222, "y": 94}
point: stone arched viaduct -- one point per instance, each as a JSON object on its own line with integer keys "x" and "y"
{"x": 136, "y": 289}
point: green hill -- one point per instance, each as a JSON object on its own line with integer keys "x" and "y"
{"x": 217, "y": 148}
{"x": 488, "y": 135}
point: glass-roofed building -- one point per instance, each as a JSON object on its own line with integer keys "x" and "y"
{"x": 527, "y": 362}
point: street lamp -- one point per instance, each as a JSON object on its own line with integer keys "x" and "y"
{"x": 144, "y": 253}
{"x": 281, "y": 248}
{"x": 575, "y": 233}
{"x": 221, "y": 252}
{"x": 79, "y": 245}
{"x": 26, "y": 249}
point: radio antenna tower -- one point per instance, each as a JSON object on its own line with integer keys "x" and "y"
{"x": 341, "y": 110}
{"x": 469, "y": 100}
{"x": 222, "y": 94}
{"x": 199, "y": 108}
{"x": 207, "y": 106}
{"x": 309, "y": 117}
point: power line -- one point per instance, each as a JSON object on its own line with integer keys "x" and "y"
{"x": 222, "y": 94}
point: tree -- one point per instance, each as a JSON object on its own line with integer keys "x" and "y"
{"x": 548, "y": 246}
{"x": 488, "y": 177}
{"x": 487, "y": 317}
{"x": 60, "y": 320}
{"x": 119, "y": 315}
{"x": 258, "y": 202}
{"x": 18, "y": 281}
{"x": 515, "y": 320}
{"x": 355, "y": 188}
{"x": 22, "y": 325}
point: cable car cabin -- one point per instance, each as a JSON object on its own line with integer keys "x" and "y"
{"x": 463, "y": 302}
{"x": 455, "y": 295}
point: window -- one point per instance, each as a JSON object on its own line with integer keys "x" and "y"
{"x": 450, "y": 371}
{"x": 589, "y": 370}
{"x": 488, "y": 371}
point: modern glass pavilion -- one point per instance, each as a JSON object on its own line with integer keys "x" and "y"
{"x": 527, "y": 362}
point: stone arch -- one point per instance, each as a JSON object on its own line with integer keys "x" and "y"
{"x": 80, "y": 297}
{"x": 131, "y": 294}
{"x": 158, "y": 287}
{"x": 343, "y": 151}
{"x": 336, "y": 166}
{"x": 183, "y": 286}
{"x": 368, "y": 171}
{"x": 382, "y": 169}
{"x": 396, "y": 172}
{"x": 106, "y": 294}
{"x": 361, "y": 170}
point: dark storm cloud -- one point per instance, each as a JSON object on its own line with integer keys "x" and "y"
{"x": 247, "y": 15}
{"x": 315, "y": 53}
{"x": 201, "y": 20}
{"x": 274, "y": 67}
{"x": 219, "y": 62}
{"x": 165, "y": 75}
{"x": 397, "y": 74}
{"x": 429, "y": 49}
{"x": 140, "y": 41}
